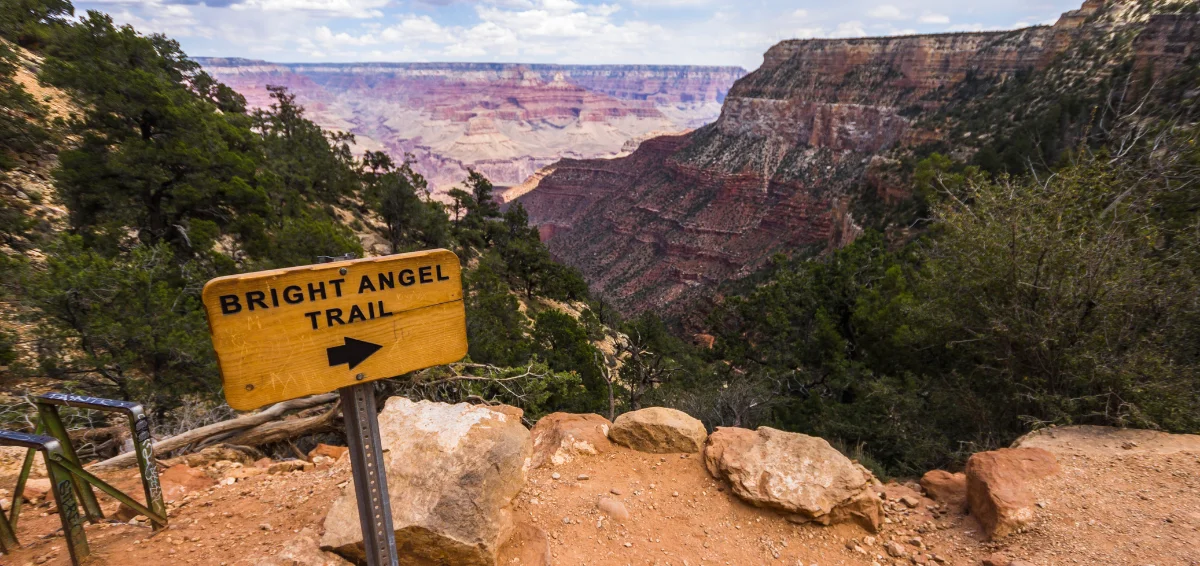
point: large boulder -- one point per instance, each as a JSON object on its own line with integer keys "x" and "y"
{"x": 559, "y": 438}
{"x": 800, "y": 475}
{"x": 302, "y": 550}
{"x": 946, "y": 488}
{"x": 452, "y": 474}
{"x": 999, "y": 487}
{"x": 658, "y": 430}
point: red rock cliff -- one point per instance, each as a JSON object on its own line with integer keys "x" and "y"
{"x": 797, "y": 141}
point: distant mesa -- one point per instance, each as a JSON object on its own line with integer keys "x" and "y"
{"x": 504, "y": 120}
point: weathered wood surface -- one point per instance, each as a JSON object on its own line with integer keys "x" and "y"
{"x": 288, "y": 333}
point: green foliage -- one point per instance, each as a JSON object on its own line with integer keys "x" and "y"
{"x": 31, "y": 22}
{"x": 154, "y": 154}
{"x": 1066, "y": 300}
{"x": 310, "y": 164}
{"x": 302, "y": 239}
{"x": 1067, "y": 319}
{"x": 496, "y": 329}
{"x": 128, "y": 327}
{"x": 399, "y": 194}
{"x": 474, "y": 209}
{"x": 563, "y": 343}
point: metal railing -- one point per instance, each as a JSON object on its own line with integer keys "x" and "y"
{"x": 70, "y": 483}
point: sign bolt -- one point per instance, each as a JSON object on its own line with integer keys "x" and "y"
{"x": 343, "y": 271}
{"x": 360, "y": 376}
{"x": 249, "y": 387}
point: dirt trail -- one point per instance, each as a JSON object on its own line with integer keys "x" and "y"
{"x": 1119, "y": 500}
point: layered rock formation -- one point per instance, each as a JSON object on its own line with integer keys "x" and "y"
{"x": 799, "y": 144}
{"x": 504, "y": 120}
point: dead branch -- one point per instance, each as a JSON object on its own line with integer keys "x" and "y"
{"x": 242, "y": 423}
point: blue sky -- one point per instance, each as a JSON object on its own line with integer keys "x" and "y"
{"x": 701, "y": 32}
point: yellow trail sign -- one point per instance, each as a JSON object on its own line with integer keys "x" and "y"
{"x": 288, "y": 333}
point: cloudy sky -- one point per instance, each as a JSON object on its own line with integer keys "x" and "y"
{"x": 702, "y": 32}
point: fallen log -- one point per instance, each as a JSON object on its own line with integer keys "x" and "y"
{"x": 279, "y": 431}
{"x": 196, "y": 435}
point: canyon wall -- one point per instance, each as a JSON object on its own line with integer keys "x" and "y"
{"x": 799, "y": 142}
{"x": 504, "y": 120}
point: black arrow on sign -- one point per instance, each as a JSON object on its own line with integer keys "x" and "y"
{"x": 353, "y": 352}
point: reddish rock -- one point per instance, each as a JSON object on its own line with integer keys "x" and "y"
{"x": 999, "y": 487}
{"x": 798, "y": 141}
{"x": 328, "y": 451}
{"x": 946, "y": 488}
{"x": 995, "y": 559}
{"x": 515, "y": 413}
{"x": 559, "y": 438}
{"x": 36, "y": 489}
{"x": 181, "y": 479}
{"x": 528, "y": 546}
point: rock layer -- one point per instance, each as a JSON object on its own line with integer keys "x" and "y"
{"x": 504, "y": 120}
{"x": 452, "y": 473}
{"x": 793, "y": 154}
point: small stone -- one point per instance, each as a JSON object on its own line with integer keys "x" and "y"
{"x": 910, "y": 501}
{"x": 615, "y": 491}
{"x": 555, "y": 475}
{"x": 894, "y": 549}
{"x": 566, "y": 520}
{"x": 628, "y": 544}
{"x": 265, "y": 526}
{"x": 582, "y": 477}
{"x": 613, "y": 508}
{"x": 674, "y": 494}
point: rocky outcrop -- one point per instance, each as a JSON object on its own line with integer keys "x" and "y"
{"x": 800, "y": 144}
{"x": 559, "y": 438}
{"x": 946, "y": 488}
{"x": 799, "y": 475}
{"x": 999, "y": 487}
{"x": 503, "y": 120}
{"x": 452, "y": 471}
{"x": 658, "y": 430}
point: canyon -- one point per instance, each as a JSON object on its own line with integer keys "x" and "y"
{"x": 806, "y": 140}
{"x": 503, "y": 120}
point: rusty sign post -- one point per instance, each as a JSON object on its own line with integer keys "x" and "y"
{"x": 340, "y": 325}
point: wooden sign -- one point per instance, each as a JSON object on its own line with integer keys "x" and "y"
{"x": 288, "y": 333}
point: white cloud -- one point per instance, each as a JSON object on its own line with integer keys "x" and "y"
{"x": 853, "y": 28}
{"x": 339, "y": 8}
{"x": 717, "y": 32}
{"x": 887, "y": 12}
{"x": 932, "y": 18}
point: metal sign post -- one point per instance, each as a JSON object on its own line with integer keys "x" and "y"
{"x": 340, "y": 325}
{"x": 366, "y": 461}
{"x": 370, "y": 482}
